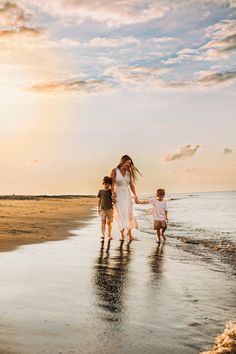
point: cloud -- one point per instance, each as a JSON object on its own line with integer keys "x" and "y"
{"x": 20, "y": 32}
{"x": 83, "y": 86}
{"x": 227, "y": 151}
{"x": 34, "y": 162}
{"x": 158, "y": 40}
{"x": 219, "y": 48}
{"x": 204, "y": 79}
{"x": 100, "y": 42}
{"x": 216, "y": 78}
{"x": 151, "y": 77}
{"x": 25, "y": 45}
{"x": 69, "y": 42}
{"x": 221, "y": 29}
{"x": 186, "y": 53}
{"x": 222, "y": 43}
{"x": 14, "y": 19}
{"x": 112, "y": 42}
{"x": 11, "y": 14}
{"x": 143, "y": 77}
{"x": 183, "y": 153}
{"x": 113, "y": 13}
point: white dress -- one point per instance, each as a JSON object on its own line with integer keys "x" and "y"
{"x": 123, "y": 208}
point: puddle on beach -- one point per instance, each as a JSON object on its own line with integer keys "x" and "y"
{"x": 80, "y": 296}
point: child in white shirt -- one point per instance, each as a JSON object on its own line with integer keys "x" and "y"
{"x": 160, "y": 213}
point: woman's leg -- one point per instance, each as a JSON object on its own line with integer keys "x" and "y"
{"x": 129, "y": 234}
{"x": 122, "y": 236}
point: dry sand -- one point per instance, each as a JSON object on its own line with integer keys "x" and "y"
{"x": 28, "y": 219}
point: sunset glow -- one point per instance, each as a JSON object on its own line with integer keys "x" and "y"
{"x": 84, "y": 82}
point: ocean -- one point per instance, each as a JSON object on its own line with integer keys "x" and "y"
{"x": 207, "y": 216}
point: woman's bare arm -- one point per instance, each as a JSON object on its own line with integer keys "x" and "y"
{"x": 132, "y": 187}
{"x": 113, "y": 177}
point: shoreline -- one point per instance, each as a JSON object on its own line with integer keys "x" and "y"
{"x": 53, "y": 291}
{"x": 35, "y": 219}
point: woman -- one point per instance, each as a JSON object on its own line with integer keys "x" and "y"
{"x": 123, "y": 177}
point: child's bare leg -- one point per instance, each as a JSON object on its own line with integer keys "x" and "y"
{"x": 109, "y": 224}
{"x": 158, "y": 236}
{"x": 103, "y": 226}
{"x": 162, "y": 233}
{"x": 122, "y": 236}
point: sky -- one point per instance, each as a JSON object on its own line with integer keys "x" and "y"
{"x": 84, "y": 82}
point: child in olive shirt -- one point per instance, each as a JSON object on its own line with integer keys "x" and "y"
{"x": 105, "y": 208}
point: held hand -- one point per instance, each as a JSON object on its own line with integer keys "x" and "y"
{"x": 137, "y": 201}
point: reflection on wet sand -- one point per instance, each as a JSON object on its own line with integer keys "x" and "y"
{"x": 156, "y": 264}
{"x": 111, "y": 280}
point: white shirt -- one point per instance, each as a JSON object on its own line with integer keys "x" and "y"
{"x": 159, "y": 208}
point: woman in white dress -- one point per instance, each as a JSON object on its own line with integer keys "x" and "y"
{"x": 123, "y": 177}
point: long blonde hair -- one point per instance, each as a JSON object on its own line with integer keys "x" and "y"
{"x": 133, "y": 169}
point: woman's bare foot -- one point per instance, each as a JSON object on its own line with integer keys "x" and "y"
{"x": 110, "y": 238}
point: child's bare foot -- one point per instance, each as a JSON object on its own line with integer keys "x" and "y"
{"x": 110, "y": 238}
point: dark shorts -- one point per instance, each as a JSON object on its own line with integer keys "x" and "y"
{"x": 158, "y": 225}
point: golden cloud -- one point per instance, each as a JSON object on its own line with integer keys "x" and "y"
{"x": 113, "y": 13}
{"x": 84, "y": 86}
{"x": 183, "y": 153}
{"x": 11, "y": 14}
{"x": 21, "y": 31}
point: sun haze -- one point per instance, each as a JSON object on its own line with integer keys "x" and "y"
{"x": 83, "y": 84}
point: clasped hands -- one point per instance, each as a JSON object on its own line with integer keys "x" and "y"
{"x": 137, "y": 201}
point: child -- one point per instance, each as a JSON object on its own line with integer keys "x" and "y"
{"x": 160, "y": 213}
{"x": 105, "y": 208}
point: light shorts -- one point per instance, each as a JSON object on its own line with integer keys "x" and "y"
{"x": 158, "y": 225}
{"x": 107, "y": 214}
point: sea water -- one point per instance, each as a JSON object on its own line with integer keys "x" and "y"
{"x": 209, "y": 216}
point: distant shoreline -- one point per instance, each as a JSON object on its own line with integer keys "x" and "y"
{"x": 72, "y": 196}
{"x": 43, "y": 196}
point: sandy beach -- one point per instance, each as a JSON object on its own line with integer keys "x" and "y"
{"x": 34, "y": 219}
{"x": 77, "y": 295}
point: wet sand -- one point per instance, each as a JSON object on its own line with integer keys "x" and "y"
{"x": 80, "y": 296}
{"x": 35, "y": 219}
